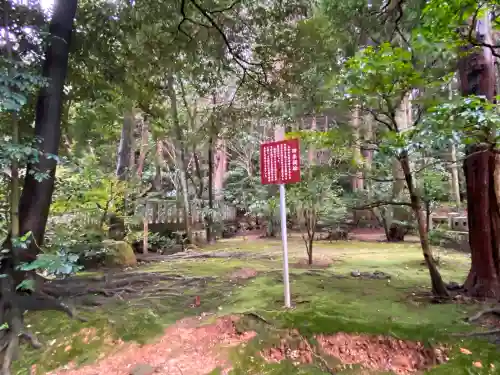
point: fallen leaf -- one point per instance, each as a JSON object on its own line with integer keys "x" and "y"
{"x": 465, "y": 351}
{"x": 477, "y": 364}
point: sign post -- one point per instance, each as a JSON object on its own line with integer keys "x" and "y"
{"x": 280, "y": 165}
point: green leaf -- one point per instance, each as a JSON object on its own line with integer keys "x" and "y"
{"x": 26, "y": 285}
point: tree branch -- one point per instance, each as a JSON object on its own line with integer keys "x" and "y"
{"x": 381, "y": 203}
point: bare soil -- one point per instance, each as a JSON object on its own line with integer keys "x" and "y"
{"x": 243, "y": 274}
{"x": 381, "y": 353}
{"x": 318, "y": 262}
{"x": 376, "y": 353}
{"x": 185, "y": 348}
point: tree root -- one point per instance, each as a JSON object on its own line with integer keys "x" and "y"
{"x": 479, "y": 333}
{"x": 201, "y": 255}
{"x": 494, "y": 310}
{"x": 258, "y": 317}
{"x": 31, "y": 339}
{"x": 41, "y": 302}
{"x": 323, "y": 363}
{"x": 98, "y": 291}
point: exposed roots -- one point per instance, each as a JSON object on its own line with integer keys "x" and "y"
{"x": 477, "y": 316}
{"x": 96, "y": 291}
{"x": 30, "y": 339}
{"x": 490, "y": 332}
{"x": 201, "y": 255}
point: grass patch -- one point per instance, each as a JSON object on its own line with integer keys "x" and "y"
{"x": 324, "y": 303}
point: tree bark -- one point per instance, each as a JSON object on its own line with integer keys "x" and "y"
{"x": 34, "y": 204}
{"x": 123, "y": 165}
{"x": 210, "y": 188}
{"x": 484, "y": 221}
{"x": 157, "y": 183}
{"x": 180, "y": 157}
{"x": 357, "y": 179}
{"x": 454, "y": 179}
{"x": 310, "y": 251}
{"x": 478, "y": 77}
{"x": 438, "y": 286}
{"x": 455, "y": 182}
{"x": 392, "y": 213}
{"x": 36, "y": 196}
{"x": 143, "y": 148}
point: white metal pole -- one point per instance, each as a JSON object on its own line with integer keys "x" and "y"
{"x": 279, "y": 135}
{"x": 284, "y": 239}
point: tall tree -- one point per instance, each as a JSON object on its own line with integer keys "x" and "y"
{"x": 36, "y": 195}
{"x": 38, "y": 188}
{"x": 478, "y": 77}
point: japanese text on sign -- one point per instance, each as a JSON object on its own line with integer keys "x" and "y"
{"x": 280, "y": 162}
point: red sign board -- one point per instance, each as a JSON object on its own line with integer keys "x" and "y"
{"x": 280, "y": 162}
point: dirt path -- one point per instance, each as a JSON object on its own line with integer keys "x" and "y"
{"x": 186, "y": 348}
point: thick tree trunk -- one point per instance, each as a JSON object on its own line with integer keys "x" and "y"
{"x": 478, "y": 77}
{"x": 484, "y": 221}
{"x": 37, "y": 195}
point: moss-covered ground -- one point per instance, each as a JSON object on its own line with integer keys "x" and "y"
{"x": 324, "y": 303}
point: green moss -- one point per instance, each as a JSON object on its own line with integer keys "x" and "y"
{"x": 324, "y": 303}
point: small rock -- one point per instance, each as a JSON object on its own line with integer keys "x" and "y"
{"x": 355, "y": 274}
{"x": 142, "y": 369}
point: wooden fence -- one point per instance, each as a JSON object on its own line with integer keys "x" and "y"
{"x": 171, "y": 212}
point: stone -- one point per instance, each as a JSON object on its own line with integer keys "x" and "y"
{"x": 452, "y": 285}
{"x": 119, "y": 254}
{"x": 142, "y": 369}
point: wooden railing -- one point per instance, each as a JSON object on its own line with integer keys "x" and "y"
{"x": 170, "y": 211}
{"x": 156, "y": 211}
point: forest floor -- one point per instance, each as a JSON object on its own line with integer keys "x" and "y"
{"x": 362, "y": 308}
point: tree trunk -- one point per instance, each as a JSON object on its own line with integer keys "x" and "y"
{"x": 157, "y": 183}
{"x": 484, "y": 221}
{"x": 220, "y": 168}
{"x": 393, "y": 213}
{"x": 357, "y": 179}
{"x": 123, "y": 165}
{"x": 478, "y": 77}
{"x": 310, "y": 250}
{"x": 210, "y": 188}
{"x": 36, "y": 196}
{"x": 143, "y": 149}
{"x": 455, "y": 182}
{"x": 180, "y": 157}
{"x": 438, "y": 286}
